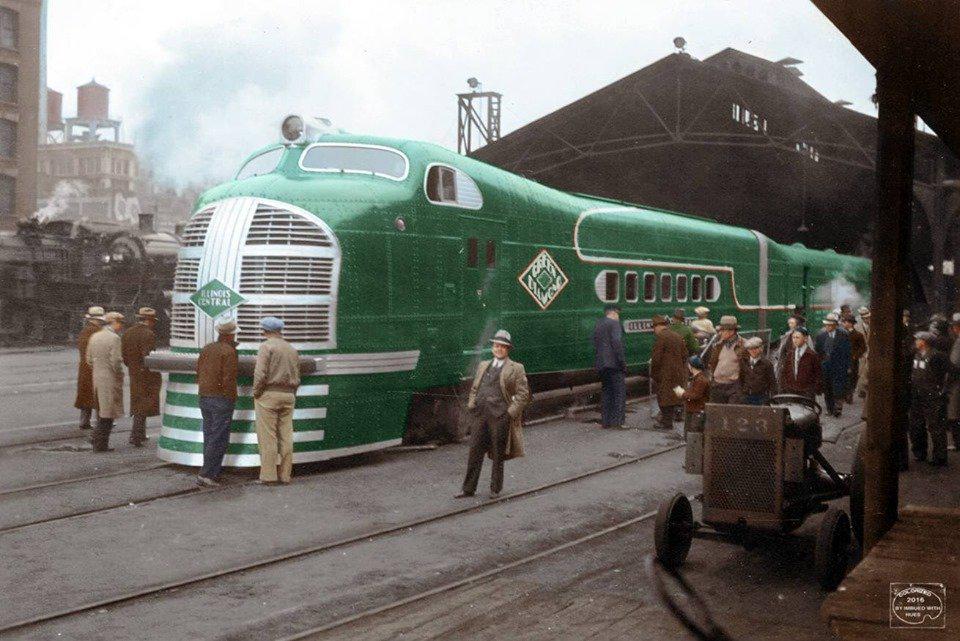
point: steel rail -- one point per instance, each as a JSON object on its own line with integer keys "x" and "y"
{"x": 322, "y": 547}
{"x": 474, "y": 578}
{"x": 80, "y": 479}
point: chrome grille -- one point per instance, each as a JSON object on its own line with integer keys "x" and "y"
{"x": 183, "y": 321}
{"x": 271, "y": 226}
{"x": 185, "y": 278}
{"x": 196, "y": 230}
{"x": 301, "y": 323}
{"x": 305, "y": 275}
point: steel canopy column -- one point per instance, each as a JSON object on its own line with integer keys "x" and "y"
{"x": 885, "y": 413}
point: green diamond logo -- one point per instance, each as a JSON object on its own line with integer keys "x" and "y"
{"x": 214, "y": 298}
{"x": 543, "y": 279}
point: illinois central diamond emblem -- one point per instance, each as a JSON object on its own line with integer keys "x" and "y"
{"x": 543, "y": 279}
{"x": 214, "y": 298}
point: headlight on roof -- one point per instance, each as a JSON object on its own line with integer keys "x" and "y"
{"x": 296, "y": 128}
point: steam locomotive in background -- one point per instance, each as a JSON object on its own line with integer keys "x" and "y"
{"x": 51, "y": 271}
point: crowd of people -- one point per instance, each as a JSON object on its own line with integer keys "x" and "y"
{"x": 691, "y": 364}
{"x": 698, "y": 363}
{"x": 106, "y": 346}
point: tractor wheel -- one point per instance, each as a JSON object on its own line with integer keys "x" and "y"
{"x": 673, "y": 533}
{"x": 833, "y": 548}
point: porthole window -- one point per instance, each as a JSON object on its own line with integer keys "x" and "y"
{"x": 712, "y": 288}
{"x": 681, "y": 288}
{"x": 607, "y": 286}
{"x": 649, "y": 287}
{"x": 696, "y": 288}
{"x": 631, "y": 293}
{"x": 666, "y": 287}
{"x": 451, "y": 187}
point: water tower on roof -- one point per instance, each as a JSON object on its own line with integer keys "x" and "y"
{"x": 93, "y": 114}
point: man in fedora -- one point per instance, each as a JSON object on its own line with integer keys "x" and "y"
{"x": 858, "y": 347}
{"x": 702, "y": 327}
{"x": 723, "y": 359}
{"x": 136, "y": 344}
{"x": 104, "y": 356}
{"x": 863, "y": 326}
{"x": 498, "y": 396}
{"x": 833, "y": 347}
{"x": 668, "y": 370}
{"x": 217, "y": 386}
{"x": 611, "y": 363}
{"x": 86, "y": 400}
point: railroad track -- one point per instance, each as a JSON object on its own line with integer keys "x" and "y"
{"x": 43, "y": 440}
{"x": 81, "y": 479}
{"x": 316, "y": 632}
{"x": 324, "y": 547}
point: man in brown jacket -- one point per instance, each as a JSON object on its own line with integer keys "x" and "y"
{"x": 668, "y": 369}
{"x": 498, "y": 396}
{"x": 104, "y": 358}
{"x": 275, "y": 382}
{"x": 136, "y": 344}
{"x": 723, "y": 360}
{"x": 217, "y": 387}
{"x": 85, "y": 400}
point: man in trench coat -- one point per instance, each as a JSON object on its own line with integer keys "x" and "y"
{"x": 104, "y": 358}
{"x": 136, "y": 344}
{"x": 85, "y": 400}
{"x": 498, "y": 396}
{"x": 668, "y": 369}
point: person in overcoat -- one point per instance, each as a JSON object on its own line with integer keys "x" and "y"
{"x": 929, "y": 370}
{"x": 497, "y": 398}
{"x": 858, "y": 347}
{"x": 136, "y": 344}
{"x": 668, "y": 369}
{"x": 801, "y": 372}
{"x": 833, "y": 347}
{"x": 104, "y": 356}
{"x": 863, "y": 326}
{"x": 610, "y": 360}
{"x": 86, "y": 400}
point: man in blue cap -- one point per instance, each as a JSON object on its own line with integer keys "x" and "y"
{"x": 275, "y": 382}
{"x": 611, "y": 363}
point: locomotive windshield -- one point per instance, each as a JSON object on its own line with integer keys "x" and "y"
{"x": 379, "y": 161}
{"x": 260, "y": 165}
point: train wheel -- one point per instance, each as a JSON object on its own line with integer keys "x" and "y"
{"x": 673, "y": 533}
{"x": 833, "y": 548}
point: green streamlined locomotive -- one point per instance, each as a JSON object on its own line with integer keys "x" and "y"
{"x": 392, "y": 263}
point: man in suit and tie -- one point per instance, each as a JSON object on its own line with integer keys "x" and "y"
{"x": 497, "y": 398}
{"x": 611, "y": 364}
{"x": 833, "y": 347}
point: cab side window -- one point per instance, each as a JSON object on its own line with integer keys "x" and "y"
{"x": 452, "y": 187}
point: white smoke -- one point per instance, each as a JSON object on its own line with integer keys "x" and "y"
{"x": 839, "y": 292}
{"x": 64, "y": 192}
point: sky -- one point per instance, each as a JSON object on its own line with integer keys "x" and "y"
{"x": 200, "y": 84}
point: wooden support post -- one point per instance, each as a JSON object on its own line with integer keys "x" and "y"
{"x": 886, "y": 414}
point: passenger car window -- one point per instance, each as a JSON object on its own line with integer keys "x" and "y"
{"x": 649, "y": 287}
{"x": 630, "y": 287}
{"x": 666, "y": 287}
{"x": 607, "y": 286}
{"x": 712, "y": 288}
{"x": 696, "y": 292}
{"x": 681, "y": 288}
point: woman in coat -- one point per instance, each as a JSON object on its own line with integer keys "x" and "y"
{"x": 800, "y": 373}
